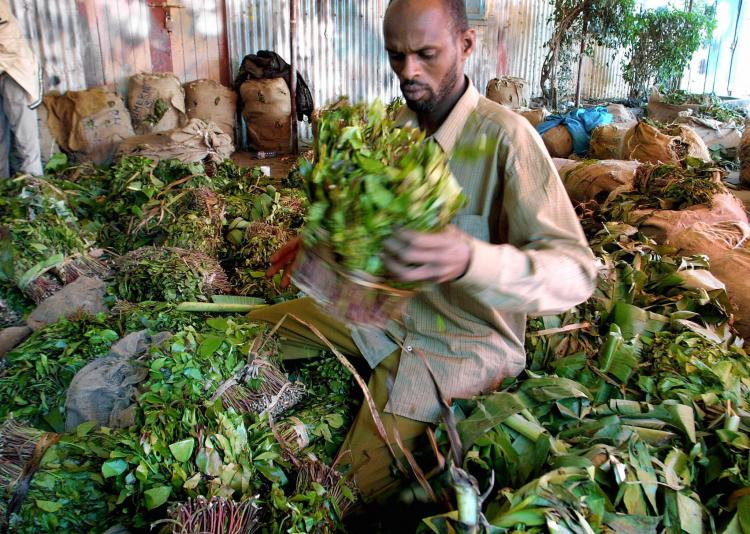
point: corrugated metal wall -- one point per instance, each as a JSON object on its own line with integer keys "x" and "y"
{"x": 340, "y": 45}
{"x": 83, "y": 43}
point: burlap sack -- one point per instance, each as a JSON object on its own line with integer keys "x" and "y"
{"x": 663, "y": 225}
{"x": 728, "y": 247}
{"x": 596, "y": 180}
{"x": 695, "y": 146}
{"x": 47, "y": 144}
{"x": 564, "y": 165}
{"x": 621, "y": 114}
{"x": 712, "y": 240}
{"x": 509, "y": 91}
{"x": 267, "y": 112}
{"x": 745, "y": 156}
{"x": 193, "y": 143}
{"x": 607, "y": 141}
{"x": 156, "y": 102}
{"x": 534, "y": 116}
{"x": 208, "y": 100}
{"x": 89, "y": 125}
{"x": 558, "y": 141}
{"x": 647, "y": 144}
{"x": 104, "y": 390}
{"x": 714, "y": 133}
{"x": 666, "y": 113}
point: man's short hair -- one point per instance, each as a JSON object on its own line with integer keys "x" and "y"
{"x": 457, "y": 11}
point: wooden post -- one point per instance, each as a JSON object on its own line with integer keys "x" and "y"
{"x": 293, "y": 75}
{"x": 580, "y": 59}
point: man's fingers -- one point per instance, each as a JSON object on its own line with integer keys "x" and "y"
{"x": 406, "y": 273}
{"x": 414, "y": 256}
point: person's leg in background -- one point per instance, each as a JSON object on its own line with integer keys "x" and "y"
{"x": 5, "y": 136}
{"x": 23, "y": 125}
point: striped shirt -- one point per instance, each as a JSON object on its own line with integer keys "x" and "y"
{"x": 529, "y": 256}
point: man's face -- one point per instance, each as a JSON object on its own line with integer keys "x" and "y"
{"x": 425, "y": 51}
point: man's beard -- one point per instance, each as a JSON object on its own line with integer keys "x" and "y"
{"x": 433, "y": 100}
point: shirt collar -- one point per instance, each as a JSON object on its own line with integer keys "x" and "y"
{"x": 447, "y": 135}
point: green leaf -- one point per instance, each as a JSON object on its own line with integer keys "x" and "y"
{"x": 489, "y": 413}
{"x": 49, "y": 506}
{"x": 690, "y": 514}
{"x": 155, "y": 497}
{"x": 114, "y": 468}
{"x": 182, "y": 450}
{"x": 84, "y": 428}
{"x": 210, "y": 345}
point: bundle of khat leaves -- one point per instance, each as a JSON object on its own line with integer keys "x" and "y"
{"x": 199, "y": 226}
{"x": 35, "y": 375}
{"x": 169, "y": 274}
{"x": 215, "y": 516}
{"x": 369, "y": 178}
{"x": 52, "y": 482}
{"x": 259, "y": 241}
{"x": 675, "y": 187}
{"x": 44, "y": 251}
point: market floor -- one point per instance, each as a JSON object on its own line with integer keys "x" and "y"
{"x": 280, "y": 165}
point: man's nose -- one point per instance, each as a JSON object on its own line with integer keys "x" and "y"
{"x": 410, "y": 71}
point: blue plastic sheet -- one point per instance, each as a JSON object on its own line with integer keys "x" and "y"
{"x": 580, "y": 123}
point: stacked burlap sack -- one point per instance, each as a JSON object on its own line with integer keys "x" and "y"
{"x": 509, "y": 91}
{"x": 647, "y": 143}
{"x": 267, "y": 108}
{"x": 156, "y": 102}
{"x": 602, "y": 181}
{"x": 596, "y": 180}
{"x": 197, "y": 141}
{"x": 208, "y": 100}
{"x": 89, "y": 125}
{"x": 727, "y": 245}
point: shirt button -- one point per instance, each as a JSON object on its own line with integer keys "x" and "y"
{"x": 409, "y": 348}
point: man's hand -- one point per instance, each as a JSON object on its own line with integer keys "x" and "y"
{"x": 422, "y": 257}
{"x": 283, "y": 259}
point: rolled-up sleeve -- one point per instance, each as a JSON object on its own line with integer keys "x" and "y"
{"x": 547, "y": 266}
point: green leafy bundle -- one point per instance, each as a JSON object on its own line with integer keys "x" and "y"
{"x": 169, "y": 274}
{"x": 633, "y": 415}
{"x": 711, "y": 106}
{"x": 184, "y": 444}
{"x": 36, "y": 374}
{"x": 38, "y": 234}
{"x": 67, "y": 492}
{"x": 370, "y": 177}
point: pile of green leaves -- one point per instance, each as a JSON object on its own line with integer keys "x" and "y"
{"x": 36, "y": 374}
{"x": 711, "y": 106}
{"x": 168, "y": 274}
{"x": 633, "y": 415}
{"x": 668, "y": 186}
{"x": 68, "y": 492}
{"x": 370, "y": 177}
{"x": 38, "y": 232}
{"x": 329, "y": 409}
{"x": 183, "y": 445}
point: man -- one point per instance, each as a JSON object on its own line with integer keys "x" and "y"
{"x": 20, "y": 94}
{"x": 517, "y": 248}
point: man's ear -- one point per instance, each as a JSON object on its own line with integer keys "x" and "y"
{"x": 468, "y": 42}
